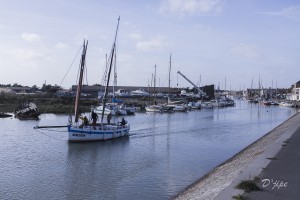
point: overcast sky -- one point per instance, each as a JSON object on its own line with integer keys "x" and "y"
{"x": 217, "y": 40}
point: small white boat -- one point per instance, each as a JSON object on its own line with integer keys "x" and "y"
{"x": 206, "y": 105}
{"x": 154, "y": 108}
{"x": 122, "y": 93}
{"x": 194, "y": 105}
{"x": 168, "y": 108}
{"x": 112, "y": 108}
{"x": 180, "y": 108}
{"x": 99, "y": 110}
{"x": 139, "y": 93}
{"x": 176, "y": 106}
{"x": 287, "y": 104}
{"x": 217, "y": 103}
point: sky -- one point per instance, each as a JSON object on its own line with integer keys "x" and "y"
{"x": 234, "y": 44}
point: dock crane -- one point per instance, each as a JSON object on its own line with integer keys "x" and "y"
{"x": 199, "y": 90}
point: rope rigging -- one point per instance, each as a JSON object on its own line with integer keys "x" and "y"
{"x": 59, "y": 85}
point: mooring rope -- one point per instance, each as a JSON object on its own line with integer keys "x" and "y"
{"x": 50, "y": 136}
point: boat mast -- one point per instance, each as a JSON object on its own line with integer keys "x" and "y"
{"x": 169, "y": 76}
{"x": 154, "y": 91}
{"x": 115, "y": 72}
{"x": 79, "y": 86}
{"x": 109, "y": 72}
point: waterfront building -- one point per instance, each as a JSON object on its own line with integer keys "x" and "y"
{"x": 93, "y": 90}
{"x": 14, "y": 90}
{"x": 294, "y": 94}
{"x": 267, "y": 93}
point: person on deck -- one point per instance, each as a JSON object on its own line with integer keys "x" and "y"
{"x": 94, "y": 118}
{"x": 123, "y": 122}
{"x": 109, "y": 117}
{"x": 85, "y": 121}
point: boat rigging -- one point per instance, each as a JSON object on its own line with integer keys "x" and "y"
{"x": 82, "y": 132}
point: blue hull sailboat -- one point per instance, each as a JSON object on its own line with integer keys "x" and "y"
{"x": 85, "y": 131}
{"x": 79, "y": 132}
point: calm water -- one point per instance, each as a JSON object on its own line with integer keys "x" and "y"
{"x": 164, "y": 154}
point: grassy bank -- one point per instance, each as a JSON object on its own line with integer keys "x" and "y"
{"x": 45, "y": 103}
{"x": 62, "y": 105}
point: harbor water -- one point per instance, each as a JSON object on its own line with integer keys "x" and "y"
{"x": 163, "y": 154}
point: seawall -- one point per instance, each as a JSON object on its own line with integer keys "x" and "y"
{"x": 219, "y": 183}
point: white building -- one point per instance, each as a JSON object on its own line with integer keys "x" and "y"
{"x": 294, "y": 95}
{"x": 7, "y": 90}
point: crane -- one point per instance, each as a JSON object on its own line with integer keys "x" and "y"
{"x": 199, "y": 90}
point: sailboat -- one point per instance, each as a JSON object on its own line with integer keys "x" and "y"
{"x": 84, "y": 131}
{"x": 170, "y": 106}
{"x": 96, "y": 131}
{"x": 117, "y": 106}
{"x": 154, "y": 107}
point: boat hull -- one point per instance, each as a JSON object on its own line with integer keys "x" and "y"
{"x": 153, "y": 108}
{"x": 27, "y": 111}
{"x": 99, "y": 110}
{"x": 97, "y": 133}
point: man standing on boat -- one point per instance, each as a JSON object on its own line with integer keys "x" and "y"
{"x": 94, "y": 118}
{"x": 109, "y": 117}
{"x": 123, "y": 122}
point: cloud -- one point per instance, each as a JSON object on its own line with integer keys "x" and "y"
{"x": 135, "y": 36}
{"x": 157, "y": 43}
{"x": 292, "y": 12}
{"x": 191, "y": 7}
{"x": 246, "y": 51}
{"x": 61, "y": 45}
{"x": 30, "y": 37}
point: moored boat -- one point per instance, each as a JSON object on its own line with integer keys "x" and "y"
{"x": 139, "y": 93}
{"x": 129, "y": 110}
{"x": 4, "y": 115}
{"x": 206, "y": 105}
{"x": 122, "y": 93}
{"x": 180, "y": 108}
{"x": 287, "y": 104}
{"x": 154, "y": 108}
{"x": 27, "y": 111}
{"x": 99, "y": 110}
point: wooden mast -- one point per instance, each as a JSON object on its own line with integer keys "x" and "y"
{"x": 79, "y": 86}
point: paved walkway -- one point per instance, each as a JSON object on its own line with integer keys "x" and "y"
{"x": 281, "y": 178}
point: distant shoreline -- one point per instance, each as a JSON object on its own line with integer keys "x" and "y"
{"x": 63, "y": 105}
{"x": 45, "y": 104}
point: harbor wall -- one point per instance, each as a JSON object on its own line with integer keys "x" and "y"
{"x": 219, "y": 183}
